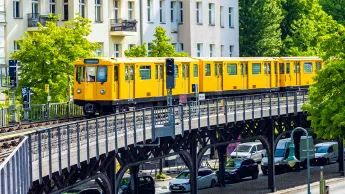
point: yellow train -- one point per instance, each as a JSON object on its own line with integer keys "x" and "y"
{"x": 103, "y": 85}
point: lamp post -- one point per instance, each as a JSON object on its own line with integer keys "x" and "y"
{"x": 292, "y": 158}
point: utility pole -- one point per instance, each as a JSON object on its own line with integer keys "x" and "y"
{"x": 69, "y": 97}
{"x": 13, "y": 74}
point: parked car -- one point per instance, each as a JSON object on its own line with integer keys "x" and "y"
{"x": 252, "y": 150}
{"x": 146, "y": 185}
{"x": 282, "y": 153}
{"x": 206, "y": 178}
{"x": 326, "y": 152}
{"x": 237, "y": 169}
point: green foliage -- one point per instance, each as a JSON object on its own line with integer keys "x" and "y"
{"x": 161, "y": 47}
{"x": 260, "y": 33}
{"x": 333, "y": 43}
{"x": 161, "y": 176}
{"x": 47, "y": 57}
{"x": 326, "y": 101}
{"x": 334, "y": 8}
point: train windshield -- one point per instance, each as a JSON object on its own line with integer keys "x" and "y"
{"x": 102, "y": 74}
{"x": 90, "y": 74}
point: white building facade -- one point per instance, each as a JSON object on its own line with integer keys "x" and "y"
{"x": 199, "y": 27}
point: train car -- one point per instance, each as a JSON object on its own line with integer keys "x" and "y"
{"x": 106, "y": 85}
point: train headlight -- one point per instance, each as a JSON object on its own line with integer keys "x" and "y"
{"x": 102, "y": 91}
{"x": 78, "y": 90}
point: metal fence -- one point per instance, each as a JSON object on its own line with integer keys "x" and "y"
{"x": 41, "y": 112}
{"x": 14, "y": 170}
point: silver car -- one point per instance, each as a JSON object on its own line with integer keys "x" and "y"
{"x": 252, "y": 150}
{"x": 206, "y": 178}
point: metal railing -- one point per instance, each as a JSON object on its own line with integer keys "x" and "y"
{"x": 41, "y": 112}
{"x": 34, "y": 18}
{"x": 79, "y": 141}
{"x": 14, "y": 170}
{"x": 123, "y": 25}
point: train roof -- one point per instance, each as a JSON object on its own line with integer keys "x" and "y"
{"x": 236, "y": 58}
{"x": 301, "y": 58}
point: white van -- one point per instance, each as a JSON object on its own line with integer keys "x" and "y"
{"x": 282, "y": 153}
{"x": 253, "y": 150}
{"x": 326, "y": 152}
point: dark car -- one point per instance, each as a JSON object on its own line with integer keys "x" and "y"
{"x": 146, "y": 185}
{"x": 235, "y": 170}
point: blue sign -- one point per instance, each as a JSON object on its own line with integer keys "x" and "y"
{"x": 91, "y": 61}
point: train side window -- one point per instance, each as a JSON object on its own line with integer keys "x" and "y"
{"x": 116, "y": 73}
{"x": 129, "y": 69}
{"x": 176, "y": 71}
{"x": 256, "y": 68}
{"x": 102, "y": 74}
{"x": 187, "y": 70}
{"x": 267, "y": 68}
{"x": 232, "y": 69}
{"x": 281, "y": 68}
{"x": 318, "y": 66}
{"x": 308, "y": 67}
{"x": 80, "y": 73}
{"x": 208, "y": 70}
{"x": 244, "y": 69}
{"x": 195, "y": 70}
{"x": 90, "y": 74}
{"x": 145, "y": 72}
{"x": 287, "y": 68}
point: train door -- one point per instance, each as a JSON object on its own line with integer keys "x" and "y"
{"x": 185, "y": 77}
{"x": 219, "y": 75}
{"x": 267, "y": 72}
{"x": 160, "y": 79}
{"x": 90, "y": 83}
{"x": 116, "y": 82}
{"x": 129, "y": 80}
{"x": 287, "y": 75}
{"x": 282, "y": 77}
{"x": 244, "y": 75}
{"x": 297, "y": 72}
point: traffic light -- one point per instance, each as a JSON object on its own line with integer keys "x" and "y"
{"x": 12, "y": 71}
{"x": 170, "y": 73}
{"x": 26, "y": 96}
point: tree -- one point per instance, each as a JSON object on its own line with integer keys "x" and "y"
{"x": 293, "y": 10}
{"x": 260, "y": 33}
{"x": 47, "y": 57}
{"x": 335, "y": 9}
{"x": 161, "y": 47}
{"x": 326, "y": 101}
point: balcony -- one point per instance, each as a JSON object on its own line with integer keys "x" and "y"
{"x": 34, "y": 18}
{"x": 121, "y": 27}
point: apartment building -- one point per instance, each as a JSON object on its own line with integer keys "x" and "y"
{"x": 199, "y": 27}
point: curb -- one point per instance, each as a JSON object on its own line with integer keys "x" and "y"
{"x": 167, "y": 179}
{"x": 314, "y": 184}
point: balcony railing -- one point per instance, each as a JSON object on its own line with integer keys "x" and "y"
{"x": 34, "y": 18}
{"x": 123, "y": 25}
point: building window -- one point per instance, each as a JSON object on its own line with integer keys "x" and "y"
{"x": 98, "y": 11}
{"x": 175, "y": 46}
{"x": 199, "y": 50}
{"x": 231, "y": 49}
{"x": 208, "y": 70}
{"x": 221, "y": 16}
{"x": 16, "y": 9}
{"x": 149, "y": 48}
{"x": 65, "y": 9}
{"x": 149, "y": 10}
{"x": 211, "y": 50}
{"x": 222, "y": 50}
{"x": 231, "y": 22}
{"x": 34, "y": 8}
{"x": 130, "y": 10}
{"x": 256, "y": 68}
{"x": 172, "y": 10}
{"x": 181, "y": 47}
{"x": 99, "y": 52}
{"x": 195, "y": 70}
{"x": 116, "y": 50}
{"x": 145, "y": 72}
{"x": 82, "y": 8}
{"x": 161, "y": 11}
{"x": 180, "y": 20}
{"x": 198, "y": 12}
{"x": 130, "y": 46}
{"x": 16, "y": 46}
{"x": 232, "y": 69}
{"x": 211, "y": 15}
{"x": 52, "y": 6}
{"x": 116, "y": 11}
